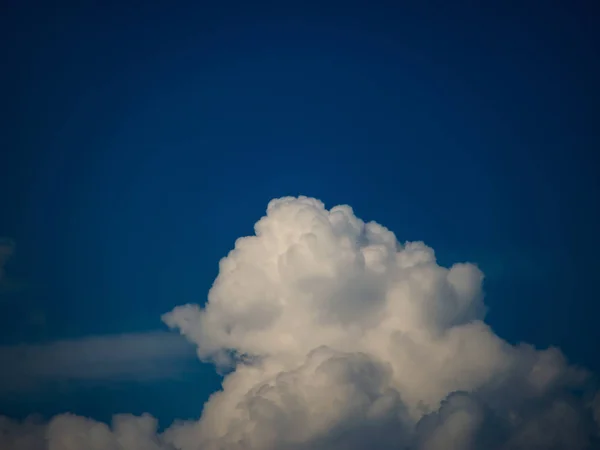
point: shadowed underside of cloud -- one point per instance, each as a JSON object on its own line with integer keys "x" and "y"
{"x": 134, "y": 356}
{"x": 337, "y": 336}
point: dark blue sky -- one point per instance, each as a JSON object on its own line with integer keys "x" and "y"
{"x": 139, "y": 142}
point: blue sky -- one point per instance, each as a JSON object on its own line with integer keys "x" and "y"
{"x": 141, "y": 142}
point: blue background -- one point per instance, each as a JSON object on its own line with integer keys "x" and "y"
{"x": 138, "y": 142}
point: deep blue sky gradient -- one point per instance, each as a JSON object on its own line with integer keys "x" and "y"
{"x": 139, "y": 142}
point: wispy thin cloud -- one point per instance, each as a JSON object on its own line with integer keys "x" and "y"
{"x": 134, "y": 356}
{"x": 7, "y": 248}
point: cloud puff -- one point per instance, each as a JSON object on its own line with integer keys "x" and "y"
{"x": 133, "y": 356}
{"x": 70, "y": 432}
{"x": 337, "y": 336}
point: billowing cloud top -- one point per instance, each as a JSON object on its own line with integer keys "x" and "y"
{"x": 337, "y": 336}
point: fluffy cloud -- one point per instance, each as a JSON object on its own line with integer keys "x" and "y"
{"x": 69, "y": 432}
{"x": 337, "y": 336}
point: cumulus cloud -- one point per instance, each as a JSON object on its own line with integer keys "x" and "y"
{"x": 134, "y": 356}
{"x": 334, "y": 335}
{"x": 70, "y": 432}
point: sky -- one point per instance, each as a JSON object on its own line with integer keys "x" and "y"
{"x": 139, "y": 142}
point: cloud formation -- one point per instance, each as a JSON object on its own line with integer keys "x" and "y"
{"x": 337, "y": 336}
{"x": 133, "y": 356}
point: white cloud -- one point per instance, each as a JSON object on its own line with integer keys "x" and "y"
{"x": 133, "y": 356}
{"x": 69, "y": 432}
{"x": 340, "y": 337}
